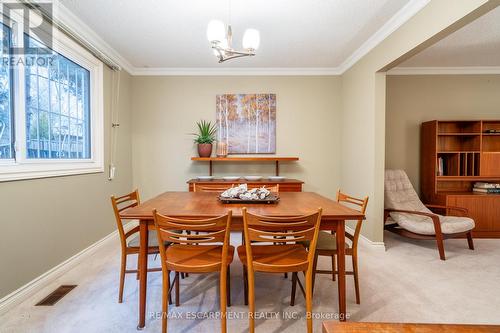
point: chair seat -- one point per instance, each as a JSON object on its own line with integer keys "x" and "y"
{"x": 424, "y": 225}
{"x": 135, "y": 241}
{"x": 328, "y": 242}
{"x": 276, "y": 258}
{"x": 196, "y": 258}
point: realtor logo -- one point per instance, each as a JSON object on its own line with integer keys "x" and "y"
{"x": 34, "y": 21}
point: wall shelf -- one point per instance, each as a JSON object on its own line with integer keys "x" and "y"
{"x": 275, "y": 159}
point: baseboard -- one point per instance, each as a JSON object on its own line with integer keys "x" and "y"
{"x": 35, "y": 285}
{"x": 377, "y": 245}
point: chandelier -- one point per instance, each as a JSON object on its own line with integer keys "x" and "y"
{"x": 221, "y": 40}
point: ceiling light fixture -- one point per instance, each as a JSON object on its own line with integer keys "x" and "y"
{"x": 221, "y": 39}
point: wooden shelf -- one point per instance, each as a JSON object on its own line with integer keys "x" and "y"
{"x": 457, "y": 151}
{"x": 467, "y": 178}
{"x": 462, "y": 134}
{"x": 245, "y": 159}
{"x": 466, "y": 154}
{"x": 275, "y": 159}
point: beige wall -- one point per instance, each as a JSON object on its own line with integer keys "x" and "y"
{"x": 412, "y": 100}
{"x": 46, "y": 221}
{"x": 165, "y": 110}
{"x": 363, "y": 99}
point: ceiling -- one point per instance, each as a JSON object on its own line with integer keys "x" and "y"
{"x": 294, "y": 33}
{"x": 475, "y": 45}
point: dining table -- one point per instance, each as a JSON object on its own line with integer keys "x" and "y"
{"x": 193, "y": 205}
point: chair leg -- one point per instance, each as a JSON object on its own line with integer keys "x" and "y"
{"x": 285, "y": 275}
{"x": 294, "y": 288}
{"x": 309, "y": 284}
{"x": 228, "y": 285}
{"x": 251, "y": 302}
{"x": 223, "y": 298}
{"x": 245, "y": 284}
{"x": 177, "y": 289}
{"x": 355, "y": 274}
{"x": 169, "y": 290}
{"x": 165, "y": 297}
{"x": 334, "y": 266}
{"x": 122, "y": 277}
{"x": 138, "y": 266}
{"x": 470, "y": 240}
{"x": 182, "y": 275}
{"x": 315, "y": 264}
{"x": 439, "y": 240}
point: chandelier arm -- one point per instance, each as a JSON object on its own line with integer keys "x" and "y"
{"x": 236, "y": 56}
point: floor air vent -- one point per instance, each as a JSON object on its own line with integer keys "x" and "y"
{"x": 56, "y": 295}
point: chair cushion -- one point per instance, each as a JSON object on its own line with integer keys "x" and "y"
{"x": 424, "y": 225}
{"x": 399, "y": 193}
{"x": 196, "y": 258}
{"x": 326, "y": 242}
{"x": 276, "y": 258}
{"x": 135, "y": 240}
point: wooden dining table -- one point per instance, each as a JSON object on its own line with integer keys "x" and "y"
{"x": 194, "y": 205}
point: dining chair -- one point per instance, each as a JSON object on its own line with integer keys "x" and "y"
{"x": 327, "y": 245}
{"x": 261, "y": 254}
{"x": 130, "y": 240}
{"x": 205, "y": 252}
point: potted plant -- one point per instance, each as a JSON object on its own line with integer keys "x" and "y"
{"x": 205, "y": 137}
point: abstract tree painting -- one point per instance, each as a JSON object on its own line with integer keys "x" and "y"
{"x": 247, "y": 123}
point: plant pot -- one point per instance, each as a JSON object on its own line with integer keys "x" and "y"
{"x": 205, "y": 149}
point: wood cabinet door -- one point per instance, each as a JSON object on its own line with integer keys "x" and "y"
{"x": 490, "y": 164}
{"x": 484, "y": 209}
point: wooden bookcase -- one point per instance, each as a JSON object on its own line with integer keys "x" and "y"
{"x": 467, "y": 153}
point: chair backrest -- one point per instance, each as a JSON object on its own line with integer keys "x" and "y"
{"x": 119, "y": 204}
{"x": 361, "y": 205}
{"x": 400, "y": 194}
{"x": 266, "y": 229}
{"x": 210, "y": 188}
{"x": 222, "y": 188}
{"x": 198, "y": 232}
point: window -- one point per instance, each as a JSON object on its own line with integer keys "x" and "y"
{"x": 50, "y": 107}
{"x": 6, "y": 137}
{"x": 57, "y": 107}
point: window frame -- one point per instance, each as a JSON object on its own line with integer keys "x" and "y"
{"x": 21, "y": 167}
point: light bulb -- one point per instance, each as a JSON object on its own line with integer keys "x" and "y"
{"x": 216, "y": 31}
{"x": 251, "y": 39}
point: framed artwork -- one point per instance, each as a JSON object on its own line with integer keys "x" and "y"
{"x": 247, "y": 123}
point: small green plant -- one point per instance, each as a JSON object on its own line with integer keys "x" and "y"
{"x": 206, "y": 132}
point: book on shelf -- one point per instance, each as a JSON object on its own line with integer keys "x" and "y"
{"x": 440, "y": 171}
{"x": 482, "y": 185}
{"x": 487, "y": 190}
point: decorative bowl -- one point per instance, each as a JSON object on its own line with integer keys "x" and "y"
{"x": 253, "y": 177}
{"x": 231, "y": 177}
{"x": 205, "y": 177}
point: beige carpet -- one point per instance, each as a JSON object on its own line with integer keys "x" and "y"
{"x": 406, "y": 283}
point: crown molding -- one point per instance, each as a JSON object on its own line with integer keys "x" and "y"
{"x": 209, "y": 71}
{"x": 466, "y": 70}
{"x": 67, "y": 17}
{"x": 400, "y": 18}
